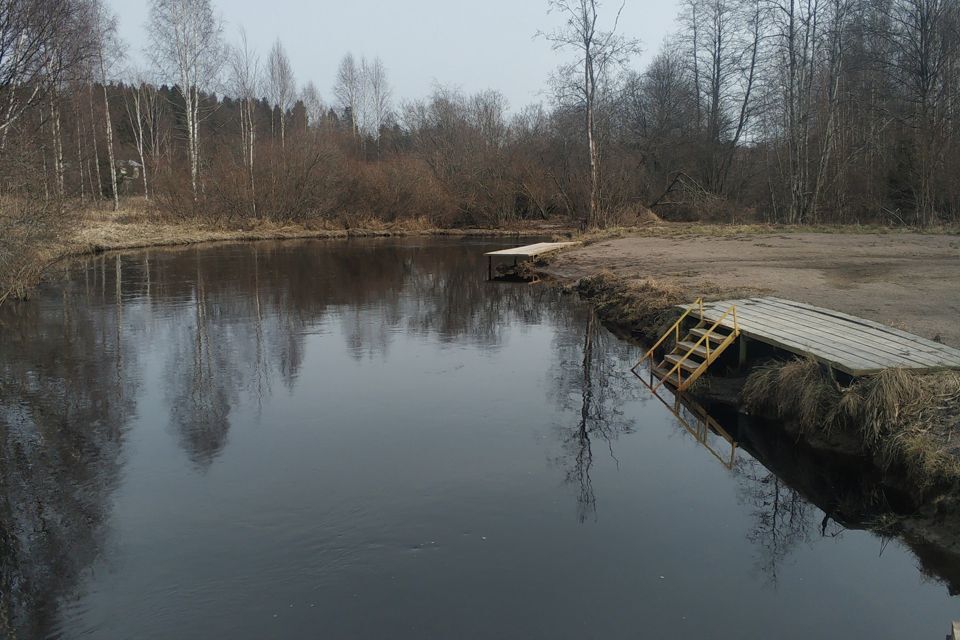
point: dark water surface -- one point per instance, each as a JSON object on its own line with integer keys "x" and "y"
{"x": 364, "y": 439}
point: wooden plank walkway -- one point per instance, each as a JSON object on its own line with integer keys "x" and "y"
{"x": 531, "y": 250}
{"x": 527, "y": 252}
{"x": 853, "y": 345}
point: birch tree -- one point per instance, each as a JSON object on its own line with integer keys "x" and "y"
{"x": 313, "y": 104}
{"x": 378, "y": 96}
{"x": 348, "y": 89}
{"x": 598, "y": 53}
{"x": 186, "y": 44}
{"x": 722, "y": 39}
{"x": 281, "y": 85}
{"x": 107, "y": 49}
{"x": 29, "y": 34}
{"x": 807, "y": 37}
{"x": 137, "y": 104}
{"x": 245, "y": 82}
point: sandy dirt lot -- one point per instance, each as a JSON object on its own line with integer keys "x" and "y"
{"x": 909, "y": 281}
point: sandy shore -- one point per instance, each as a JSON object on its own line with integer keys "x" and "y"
{"x": 906, "y": 280}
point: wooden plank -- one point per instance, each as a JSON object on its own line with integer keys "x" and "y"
{"x": 838, "y": 330}
{"x": 760, "y": 324}
{"x": 805, "y": 344}
{"x": 918, "y": 346}
{"x": 855, "y": 339}
{"x": 816, "y": 340}
{"x": 531, "y": 250}
{"x": 788, "y": 338}
{"x": 876, "y": 325}
{"x": 688, "y": 364}
{"x": 863, "y": 338}
{"x": 685, "y": 346}
{"x": 848, "y": 343}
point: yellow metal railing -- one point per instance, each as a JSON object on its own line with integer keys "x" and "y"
{"x": 682, "y": 384}
{"x": 675, "y": 330}
{"x": 704, "y": 341}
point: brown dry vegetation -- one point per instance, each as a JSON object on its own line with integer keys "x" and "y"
{"x": 905, "y": 421}
{"x": 644, "y": 307}
{"x": 32, "y": 240}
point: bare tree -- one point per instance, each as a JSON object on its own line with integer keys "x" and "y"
{"x": 31, "y": 53}
{"x": 137, "y": 102}
{"x": 722, "y": 41}
{"x": 348, "y": 89}
{"x": 598, "y": 53}
{"x": 925, "y": 35}
{"x": 312, "y": 104}
{"x": 186, "y": 43}
{"x": 281, "y": 85}
{"x": 108, "y": 50}
{"x": 378, "y": 96}
{"x": 245, "y": 83}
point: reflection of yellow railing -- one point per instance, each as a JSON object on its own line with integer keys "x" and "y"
{"x": 704, "y": 426}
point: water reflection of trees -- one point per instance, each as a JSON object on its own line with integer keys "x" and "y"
{"x": 591, "y": 385}
{"x": 781, "y": 517}
{"x": 797, "y": 494}
{"x": 229, "y": 323}
{"x": 66, "y": 395}
{"x": 246, "y": 310}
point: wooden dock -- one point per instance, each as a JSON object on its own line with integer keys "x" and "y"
{"x": 527, "y": 252}
{"x": 853, "y": 345}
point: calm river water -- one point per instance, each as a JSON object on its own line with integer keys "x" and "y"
{"x": 364, "y": 439}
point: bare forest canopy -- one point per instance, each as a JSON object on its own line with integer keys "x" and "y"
{"x": 789, "y": 111}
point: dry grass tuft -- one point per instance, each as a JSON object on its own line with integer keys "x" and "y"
{"x": 908, "y": 421}
{"x": 645, "y": 307}
{"x": 799, "y": 388}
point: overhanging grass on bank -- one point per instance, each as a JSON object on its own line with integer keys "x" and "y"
{"x": 905, "y": 420}
{"x": 645, "y": 307}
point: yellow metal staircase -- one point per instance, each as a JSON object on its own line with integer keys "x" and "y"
{"x": 694, "y": 354}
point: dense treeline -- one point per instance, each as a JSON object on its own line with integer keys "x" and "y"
{"x": 795, "y": 111}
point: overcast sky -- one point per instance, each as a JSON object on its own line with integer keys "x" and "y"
{"x": 481, "y": 44}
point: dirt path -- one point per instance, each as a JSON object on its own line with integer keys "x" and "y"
{"x": 909, "y": 281}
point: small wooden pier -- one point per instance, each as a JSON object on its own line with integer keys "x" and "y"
{"x": 846, "y": 343}
{"x": 527, "y": 252}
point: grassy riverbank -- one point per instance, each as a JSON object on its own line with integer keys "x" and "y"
{"x": 31, "y": 245}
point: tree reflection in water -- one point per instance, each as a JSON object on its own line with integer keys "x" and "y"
{"x": 231, "y": 323}
{"x": 592, "y": 386}
{"x": 67, "y": 394}
{"x": 782, "y": 517}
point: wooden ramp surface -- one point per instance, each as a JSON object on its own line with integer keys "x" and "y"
{"x": 847, "y": 343}
{"x": 531, "y": 250}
